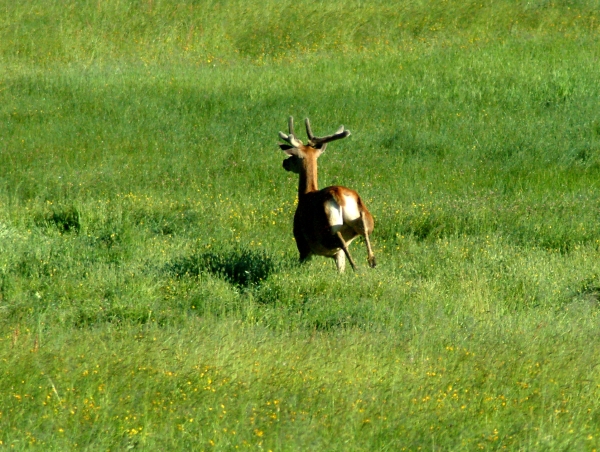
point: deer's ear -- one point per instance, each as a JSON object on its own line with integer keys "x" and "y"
{"x": 285, "y": 147}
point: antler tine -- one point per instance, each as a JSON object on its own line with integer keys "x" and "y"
{"x": 291, "y": 138}
{"x": 309, "y": 131}
{"x": 338, "y": 135}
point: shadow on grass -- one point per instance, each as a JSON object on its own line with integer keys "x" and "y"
{"x": 65, "y": 219}
{"x": 240, "y": 266}
{"x": 589, "y": 292}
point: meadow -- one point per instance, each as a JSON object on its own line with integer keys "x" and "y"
{"x": 150, "y": 295}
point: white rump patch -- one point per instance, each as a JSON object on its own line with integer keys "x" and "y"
{"x": 335, "y": 215}
{"x": 338, "y": 215}
{"x": 351, "y": 211}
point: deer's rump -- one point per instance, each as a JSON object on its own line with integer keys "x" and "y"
{"x": 321, "y": 214}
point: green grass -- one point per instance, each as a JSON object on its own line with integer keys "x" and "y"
{"x": 150, "y": 295}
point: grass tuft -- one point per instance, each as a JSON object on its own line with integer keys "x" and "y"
{"x": 239, "y": 266}
{"x": 64, "y": 219}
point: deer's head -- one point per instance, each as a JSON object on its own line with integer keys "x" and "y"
{"x": 301, "y": 155}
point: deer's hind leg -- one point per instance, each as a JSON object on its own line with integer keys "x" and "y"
{"x": 365, "y": 233}
{"x": 339, "y": 259}
{"x": 360, "y": 222}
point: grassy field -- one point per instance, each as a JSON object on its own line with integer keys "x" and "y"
{"x": 150, "y": 295}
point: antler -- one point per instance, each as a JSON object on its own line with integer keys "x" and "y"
{"x": 320, "y": 142}
{"x": 291, "y": 137}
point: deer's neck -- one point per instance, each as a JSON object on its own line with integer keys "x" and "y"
{"x": 308, "y": 177}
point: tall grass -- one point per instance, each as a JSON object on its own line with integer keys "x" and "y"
{"x": 150, "y": 294}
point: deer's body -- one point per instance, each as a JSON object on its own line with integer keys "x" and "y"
{"x": 322, "y": 214}
{"x": 328, "y": 220}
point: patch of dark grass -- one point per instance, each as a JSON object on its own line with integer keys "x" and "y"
{"x": 4, "y": 281}
{"x": 589, "y": 291}
{"x": 240, "y": 266}
{"x": 270, "y": 294}
{"x": 64, "y": 218}
{"x": 410, "y": 144}
{"x": 32, "y": 265}
{"x": 561, "y": 243}
{"x": 436, "y": 225}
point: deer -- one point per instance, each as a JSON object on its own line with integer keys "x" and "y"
{"x": 327, "y": 220}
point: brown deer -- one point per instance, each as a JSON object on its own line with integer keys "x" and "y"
{"x": 327, "y": 220}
